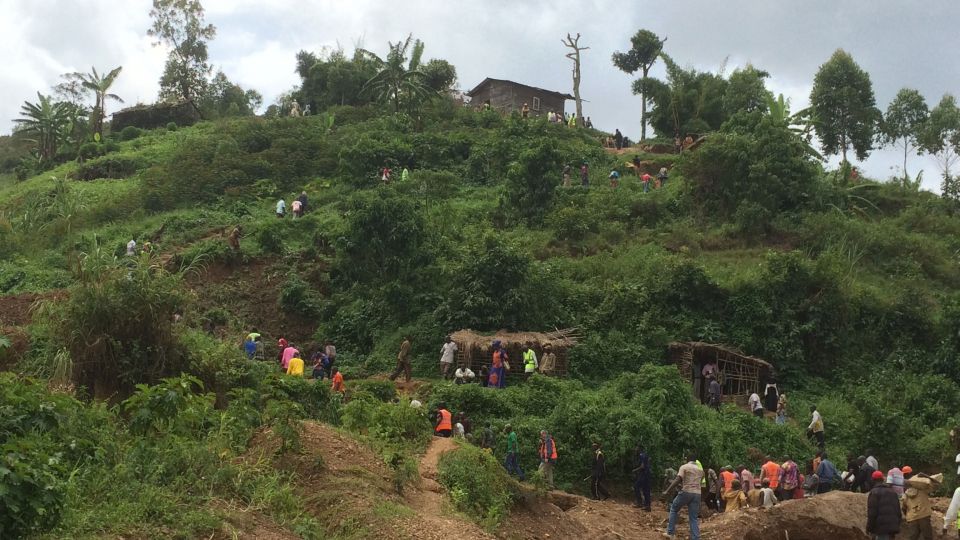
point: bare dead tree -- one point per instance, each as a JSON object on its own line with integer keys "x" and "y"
{"x": 574, "y": 43}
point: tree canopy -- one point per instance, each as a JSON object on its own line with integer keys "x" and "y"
{"x": 644, "y": 51}
{"x": 845, "y": 109}
{"x": 179, "y": 25}
{"x": 904, "y": 121}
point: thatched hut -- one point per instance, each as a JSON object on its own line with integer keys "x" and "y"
{"x": 474, "y": 349}
{"x": 740, "y": 375}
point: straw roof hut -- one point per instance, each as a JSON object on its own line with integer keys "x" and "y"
{"x": 474, "y": 349}
{"x": 740, "y": 375}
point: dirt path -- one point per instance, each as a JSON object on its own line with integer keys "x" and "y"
{"x": 434, "y": 519}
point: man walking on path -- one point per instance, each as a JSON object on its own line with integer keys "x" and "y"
{"x": 883, "y": 510}
{"x": 598, "y": 473}
{"x": 548, "y": 457}
{"x": 641, "y": 478}
{"x": 403, "y": 361}
{"x": 447, "y": 351}
{"x": 512, "y": 463}
{"x": 815, "y": 429}
{"x": 689, "y": 477}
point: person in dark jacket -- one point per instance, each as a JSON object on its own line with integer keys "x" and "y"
{"x": 641, "y": 478}
{"x": 598, "y": 473}
{"x": 883, "y": 510}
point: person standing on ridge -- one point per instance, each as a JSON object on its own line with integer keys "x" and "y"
{"x": 618, "y": 139}
{"x": 530, "y": 364}
{"x": 548, "y": 457}
{"x": 641, "y": 478}
{"x": 689, "y": 477}
{"x": 716, "y": 392}
{"x": 403, "y": 361}
{"x": 447, "y": 352}
{"x": 598, "y": 472}
{"x": 498, "y": 367}
{"x": 512, "y": 462}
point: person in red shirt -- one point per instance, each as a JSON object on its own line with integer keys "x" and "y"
{"x": 337, "y": 385}
{"x": 645, "y": 180}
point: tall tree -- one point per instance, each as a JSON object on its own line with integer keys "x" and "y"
{"x": 689, "y": 102}
{"x": 100, "y": 86}
{"x": 905, "y": 121}
{"x": 844, "y": 107}
{"x": 645, "y": 49}
{"x": 941, "y": 137}
{"x": 48, "y": 121}
{"x": 179, "y": 25}
{"x": 574, "y": 55}
{"x": 746, "y": 91}
{"x": 398, "y": 80}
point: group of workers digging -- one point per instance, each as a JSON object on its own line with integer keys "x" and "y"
{"x": 291, "y": 360}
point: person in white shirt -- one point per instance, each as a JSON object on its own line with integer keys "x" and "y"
{"x": 769, "y": 497}
{"x": 447, "y": 352}
{"x": 816, "y": 427}
{"x": 131, "y": 248}
{"x": 463, "y": 375}
{"x": 872, "y": 461}
{"x": 950, "y": 517}
{"x": 756, "y": 407}
{"x": 458, "y": 430}
{"x": 281, "y": 208}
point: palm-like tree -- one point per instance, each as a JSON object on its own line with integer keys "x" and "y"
{"x": 801, "y": 122}
{"x": 100, "y": 86}
{"x": 397, "y": 80}
{"x": 49, "y": 121}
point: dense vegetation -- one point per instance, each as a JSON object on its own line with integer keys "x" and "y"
{"x": 849, "y": 288}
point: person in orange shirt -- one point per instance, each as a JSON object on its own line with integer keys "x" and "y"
{"x": 727, "y": 478}
{"x": 771, "y": 471}
{"x": 337, "y": 385}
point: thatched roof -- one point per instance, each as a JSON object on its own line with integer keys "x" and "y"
{"x": 565, "y": 338}
{"x": 714, "y": 347}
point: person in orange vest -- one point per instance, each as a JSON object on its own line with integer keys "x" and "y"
{"x": 337, "y": 385}
{"x": 771, "y": 471}
{"x": 548, "y": 457}
{"x": 444, "y": 422}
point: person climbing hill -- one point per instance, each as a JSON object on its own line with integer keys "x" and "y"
{"x": 337, "y": 384}
{"x": 548, "y": 457}
{"x": 512, "y": 461}
{"x": 444, "y": 426}
{"x": 295, "y": 365}
{"x": 403, "y": 361}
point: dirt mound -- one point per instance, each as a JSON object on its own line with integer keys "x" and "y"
{"x": 837, "y": 515}
{"x": 17, "y": 309}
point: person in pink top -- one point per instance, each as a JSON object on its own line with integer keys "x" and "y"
{"x": 746, "y": 478}
{"x": 288, "y": 353}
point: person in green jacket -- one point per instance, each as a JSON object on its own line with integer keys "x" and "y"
{"x": 512, "y": 463}
{"x": 530, "y": 363}
{"x": 405, "y": 175}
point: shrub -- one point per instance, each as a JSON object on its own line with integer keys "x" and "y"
{"x": 130, "y": 133}
{"x": 116, "y": 166}
{"x": 31, "y": 494}
{"x": 171, "y": 126}
{"x": 90, "y": 150}
{"x": 298, "y": 298}
{"x": 477, "y": 483}
{"x": 270, "y": 239}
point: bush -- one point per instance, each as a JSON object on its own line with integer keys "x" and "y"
{"x": 478, "y": 485}
{"x": 116, "y": 166}
{"x": 130, "y": 133}
{"x": 298, "y": 298}
{"x": 171, "y": 126}
{"x": 31, "y": 494}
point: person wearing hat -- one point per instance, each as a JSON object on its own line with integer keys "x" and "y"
{"x": 916, "y": 506}
{"x": 883, "y": 509}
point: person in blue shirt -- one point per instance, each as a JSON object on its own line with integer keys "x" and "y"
{"x": 250, "y": 347}
{"x": 614, "y": 178}
{"x": 826, "y": 471}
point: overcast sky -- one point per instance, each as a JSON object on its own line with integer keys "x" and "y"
{"x": 899, "y": 42}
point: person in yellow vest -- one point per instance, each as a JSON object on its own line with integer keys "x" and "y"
{"x": 530, "y": 364}
{"x": 295, "y": 366}
{"x": 548, "y": 457}
{"x": 444, "y": 425}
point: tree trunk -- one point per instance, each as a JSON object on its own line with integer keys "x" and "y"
{"x": 906, "y": 146}
{"x": 576, "y": 90}
{"x": 643, "y": 106}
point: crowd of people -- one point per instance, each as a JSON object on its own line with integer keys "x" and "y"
{"x": 290, "y": 359}
{"x": 298, "y": 207}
